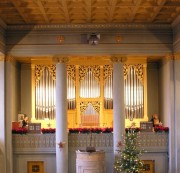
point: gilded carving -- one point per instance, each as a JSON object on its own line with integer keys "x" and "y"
{"x": 83, "y": 106}
{"x": 71, "y": 71}
{"x": 118, "y": 59}
{"x": 107, "y": 71}
{"x": 95, "y": 104}
{"x": 38, "y": 72}
{"x": 138, "y": 70}
{"x": 60, "y": 59}
{"x": 52, "y": 71}
{"x": 40, "y": 68}
{"x": 84, "y": 69}
{"x": 126, "y": 68}
{"x": 82, "y": 72}
{"x": 96, "y": 71}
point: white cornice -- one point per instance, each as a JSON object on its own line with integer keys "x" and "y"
{"x": 84, "y": 49}
{"x": 176, "y": 22}
{"x": 88, "y": 26}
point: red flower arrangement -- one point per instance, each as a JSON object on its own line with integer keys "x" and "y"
{"x": 90, "y": 130}
{"x": 19, "y": 130}
{"x": 161, "y": 129}
{"x": 49, "y": 130}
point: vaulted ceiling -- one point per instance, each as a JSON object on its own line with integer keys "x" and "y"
{"x": 22, "y": 12}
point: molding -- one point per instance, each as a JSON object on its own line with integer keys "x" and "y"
{"x": 88, "y": 26}
{"x": 176, "y": 22}
{"x": 85, "y": 49}
{"x": 118, "y": 58}
{"x": 60, "y": 59}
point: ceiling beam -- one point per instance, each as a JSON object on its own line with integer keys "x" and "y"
{"x": 111, "y": 10}
{"x": 134, "y": 11}
{"x": 157, "y": 9}
{"x": 88, "y": 2}
{"x": 41, "y": 7}
{"x": 20, "y": 10}
{"x": 65, "y": 9}
{"x": 2, "y": 23}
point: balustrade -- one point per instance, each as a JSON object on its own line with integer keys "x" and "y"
{"x": 47, "y": 142}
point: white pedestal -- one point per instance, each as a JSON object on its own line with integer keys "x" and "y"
{"x": 90, "y": 162}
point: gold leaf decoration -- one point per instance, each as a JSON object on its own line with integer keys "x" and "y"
{"x": 71, "y": 71}
{"x": 107, "y": 71}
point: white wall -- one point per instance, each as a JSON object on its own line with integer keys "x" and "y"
{"x": 153, "y": 89}
{"x": 26, "y": 84}
{"x": 21, "y": 162}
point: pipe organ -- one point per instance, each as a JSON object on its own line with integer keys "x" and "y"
{"x": 89, "y": 94}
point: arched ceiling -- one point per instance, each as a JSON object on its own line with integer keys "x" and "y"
{"x": 32, "y": 12}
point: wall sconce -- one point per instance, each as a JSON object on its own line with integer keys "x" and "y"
{"x": 118, "y": 38}
{"x": 60, "y": 39}
{"x": 93, "y": 38}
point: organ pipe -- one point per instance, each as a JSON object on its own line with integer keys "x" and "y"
{"x": 134, "y": 97}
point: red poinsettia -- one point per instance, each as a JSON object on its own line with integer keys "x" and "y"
{"x": 161, "y": 129}
{"x": 91, "y": 130}
{"x": 19, "y": 130}
{"x": 49, "y": 130}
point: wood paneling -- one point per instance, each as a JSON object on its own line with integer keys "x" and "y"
{"x": 88, "y": 11}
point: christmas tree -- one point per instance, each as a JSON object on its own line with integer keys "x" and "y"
{"x": 129, "y": 161}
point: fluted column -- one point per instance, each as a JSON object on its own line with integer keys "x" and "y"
{"x": 12, "y": 105}
{"x": 3, "y": 161}
{"x": 166, "y": 90}
{"x": 61, "y": 117}
{"x": 167, "y": 104}
{"x": 174, "y": 136}
{"x": 118, "y": 101}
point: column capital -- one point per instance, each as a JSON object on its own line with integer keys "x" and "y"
{"x": 169, "y": 57}
{"x": 10, "y": 58}
{"x": 118, "y": 58}
{"x": 177, "y": 56}
{"x": 2, "y": 58}
{"x": 60, "y": 59}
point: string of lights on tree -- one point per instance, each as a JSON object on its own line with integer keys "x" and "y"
{"x": 128, "y": 160}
